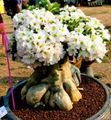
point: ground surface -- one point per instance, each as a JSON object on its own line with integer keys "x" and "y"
{"x": 21, "y": 72}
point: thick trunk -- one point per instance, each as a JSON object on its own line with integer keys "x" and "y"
{"x": 53, "y": 86}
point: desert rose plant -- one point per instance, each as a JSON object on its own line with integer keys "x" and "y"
{"x": 47, "y": 40}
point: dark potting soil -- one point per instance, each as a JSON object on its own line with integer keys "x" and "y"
{"x": 93, "y": 100}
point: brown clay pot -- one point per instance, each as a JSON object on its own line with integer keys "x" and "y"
{"x": 86, "y": 67}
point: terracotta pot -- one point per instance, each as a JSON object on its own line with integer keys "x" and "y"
{"x": 86, "y": 67}
{"x": 103, "y": 114}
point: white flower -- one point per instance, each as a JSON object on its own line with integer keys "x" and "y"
{"x": 106, "y": 34}
{"x": 80, "y": 28}
{"x": 77, "y": 14}
{"x": 18, "y": 20}
{"x": 99, "y": 48}
{"x": 28, "y": 59}
{"x": 41, "y": 36}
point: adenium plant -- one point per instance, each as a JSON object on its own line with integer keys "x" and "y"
{"x": 49, "y": 39}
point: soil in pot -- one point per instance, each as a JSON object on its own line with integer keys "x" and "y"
{"x": 93, "y": 100}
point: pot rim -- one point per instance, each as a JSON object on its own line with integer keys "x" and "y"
{"x": 107, "y": 101}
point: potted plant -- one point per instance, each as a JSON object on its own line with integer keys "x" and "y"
{"x": 46, "y": 41}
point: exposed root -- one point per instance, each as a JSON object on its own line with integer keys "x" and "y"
{"x": 59, "y": 88}
{"x": 39, "y": 74}
{"x": 35, "y": 93}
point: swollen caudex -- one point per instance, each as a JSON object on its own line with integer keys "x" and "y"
{"x": 56, "y": 90}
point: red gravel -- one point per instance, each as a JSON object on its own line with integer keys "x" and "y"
{"x": 92, "y": 102}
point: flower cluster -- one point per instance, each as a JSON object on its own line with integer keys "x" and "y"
{"x": 88, "y": 36}
{"x": 40, "y": 35}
